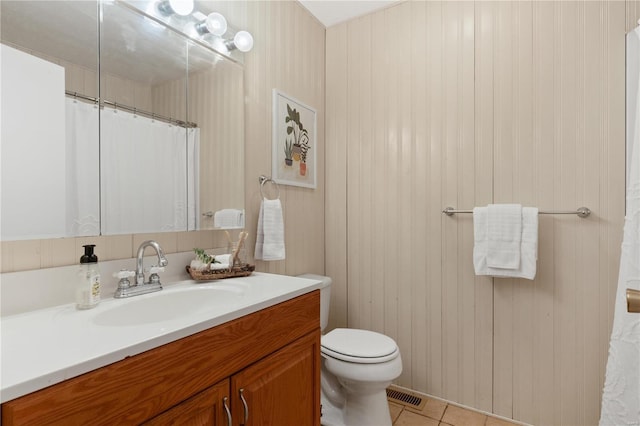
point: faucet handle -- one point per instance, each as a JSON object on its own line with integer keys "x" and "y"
{"x": 154, "y": 278}
{"x": 124, "y": 275}
{"x": 154, "y": 269}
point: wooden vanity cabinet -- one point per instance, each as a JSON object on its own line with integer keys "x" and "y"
{"x": 207, "y": 408}
{"x": 272, "y": 390}
{"x": 272, "y": 356}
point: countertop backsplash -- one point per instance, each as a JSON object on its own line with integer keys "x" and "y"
{"x": 26, "y": 291}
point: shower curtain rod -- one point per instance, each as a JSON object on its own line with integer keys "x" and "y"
{"x": 581, "y": 212}
{"x": 135, "y": 111}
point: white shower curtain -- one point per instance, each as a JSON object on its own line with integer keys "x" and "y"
{"x": 621, "y": 396}
{"x": 144, "y": 165}
{"x": 82, "y": 172}
{"x": 193, "y": 165}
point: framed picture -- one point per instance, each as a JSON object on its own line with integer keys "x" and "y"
{"x": 294, "y": 142}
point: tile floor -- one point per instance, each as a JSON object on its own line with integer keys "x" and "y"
{"x": 440, "y": 413}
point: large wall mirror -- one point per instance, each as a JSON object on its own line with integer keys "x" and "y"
{"x": 114, "y": 123}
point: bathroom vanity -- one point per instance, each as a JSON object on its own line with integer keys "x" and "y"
{"x": 259, "y": 368}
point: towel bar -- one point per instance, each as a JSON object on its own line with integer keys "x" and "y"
{"x": 581, "y": 212}
{"x": 264, "y": 179}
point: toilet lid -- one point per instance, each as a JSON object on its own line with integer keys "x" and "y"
{"x": 361, "y": 346}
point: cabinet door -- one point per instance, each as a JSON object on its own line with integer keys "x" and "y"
{"x": 282, "y": 389}
{"x": 209, "y": 407}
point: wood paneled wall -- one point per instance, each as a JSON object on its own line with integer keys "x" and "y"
{"x": 289, "y": 54}
{"x": 435, "y": 104}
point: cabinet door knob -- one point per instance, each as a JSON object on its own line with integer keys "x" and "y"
{"x": 246, "y": 407}
{"x": 226, "y": 409}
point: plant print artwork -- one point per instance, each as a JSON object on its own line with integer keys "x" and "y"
{"x": 294, "y": 131}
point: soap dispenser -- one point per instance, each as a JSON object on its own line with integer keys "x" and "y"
{"x": 88, "y": 287}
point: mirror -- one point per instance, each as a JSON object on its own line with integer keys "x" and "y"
{"x": 162, "y": 153}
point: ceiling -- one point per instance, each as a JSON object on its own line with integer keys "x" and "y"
{"x": 332, "y": 12}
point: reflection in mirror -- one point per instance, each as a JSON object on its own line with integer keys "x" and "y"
{"x": 149, "y": 68}
{"x": 47, "y": 47}
{"x": 213, "y": 81}
{"x": 144, "y": 138}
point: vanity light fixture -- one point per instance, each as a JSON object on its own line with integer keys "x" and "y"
{"x": 243, "y": 41}
{"x": 215, "y": 24}
{"x": 179, "y": 7}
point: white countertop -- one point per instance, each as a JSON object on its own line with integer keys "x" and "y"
{"x": 47, "y": 346}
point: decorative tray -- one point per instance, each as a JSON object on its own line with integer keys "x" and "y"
{"x": 207, "y": 275}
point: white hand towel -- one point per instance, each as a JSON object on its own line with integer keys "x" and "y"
{"x": 504, "y": 233}
{"x": 270, "y": 235}
{"x": 528, "y": 247}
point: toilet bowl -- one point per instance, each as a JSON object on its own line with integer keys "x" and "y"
{"x": 357, "y": 367}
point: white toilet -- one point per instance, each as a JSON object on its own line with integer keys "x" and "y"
{"x": 357, "y": 367}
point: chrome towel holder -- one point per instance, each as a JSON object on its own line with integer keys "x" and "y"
{"x": 582, "y": 212}
{"x": 264, "y": 179}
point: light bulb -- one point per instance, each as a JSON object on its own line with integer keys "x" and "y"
{"x": 181, "y": 7}
{"x": 243, "y": 41}
{"x": 215, "y": 24}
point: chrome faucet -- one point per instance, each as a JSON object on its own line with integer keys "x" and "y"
{"x": 162, "y": 262}
{"x": 126, "y": 289}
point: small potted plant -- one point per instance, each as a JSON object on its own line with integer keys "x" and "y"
{"x": 295, "y": 129}
{"x": 304, "y": 149}
{"x": 288, "y": 152}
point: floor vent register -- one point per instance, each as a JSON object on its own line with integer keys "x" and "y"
{"x": 406, "y": 398}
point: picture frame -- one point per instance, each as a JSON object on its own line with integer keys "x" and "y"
{"x": 294, "y": 142}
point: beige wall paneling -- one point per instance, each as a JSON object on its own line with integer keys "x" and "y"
{"x": 169, "y": 98}
{"x": 544, "y": 133}
{"x": 404, "y": 210}
{"x": 257, "y": 118}
{"x": 632, "y": 13}
{"x": 80, "y": 79}
{"x": 357, "y": 119}
{"x": 288, "y": 55}
{"x": 484, "y": 84}
{"x": 421, "y": 211}
{"x": 434, "y": 236}
{"x": 566, "y": 160}
{"x": 541, "y": 326}
{"x": 528, "y": 110}
{"x": 505, "y": 191}
{"x": 594, "y": 122}
{"x": 462, "y": 366}
{"x": 484, "y": 165}
{"x": 335, "y": 174}
{"x": 397, "y": 283}
{"x": 221, "y": 124}
{"x": 376, "y": 91}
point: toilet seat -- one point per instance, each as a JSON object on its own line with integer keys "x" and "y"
{"x": 359, "y": 346}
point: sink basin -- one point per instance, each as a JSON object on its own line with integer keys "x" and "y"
{"x": 170, "y": 304}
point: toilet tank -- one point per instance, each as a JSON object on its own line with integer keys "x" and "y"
{"x": 325, "y": 297}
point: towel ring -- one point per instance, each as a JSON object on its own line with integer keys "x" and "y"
{"x": 264, "y": 179}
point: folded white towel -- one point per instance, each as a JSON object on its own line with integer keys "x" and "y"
{"x": 197, "y": 265}
{"x": 221, "y": 261}
{"x": 228, "y": 219}
{"x": 219, "y": 266}
{"x": 504, "y": 233}
{"x": 222, "y": 258}
{"x": 528, "y": 245}
{"x": 270, "y": 235}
